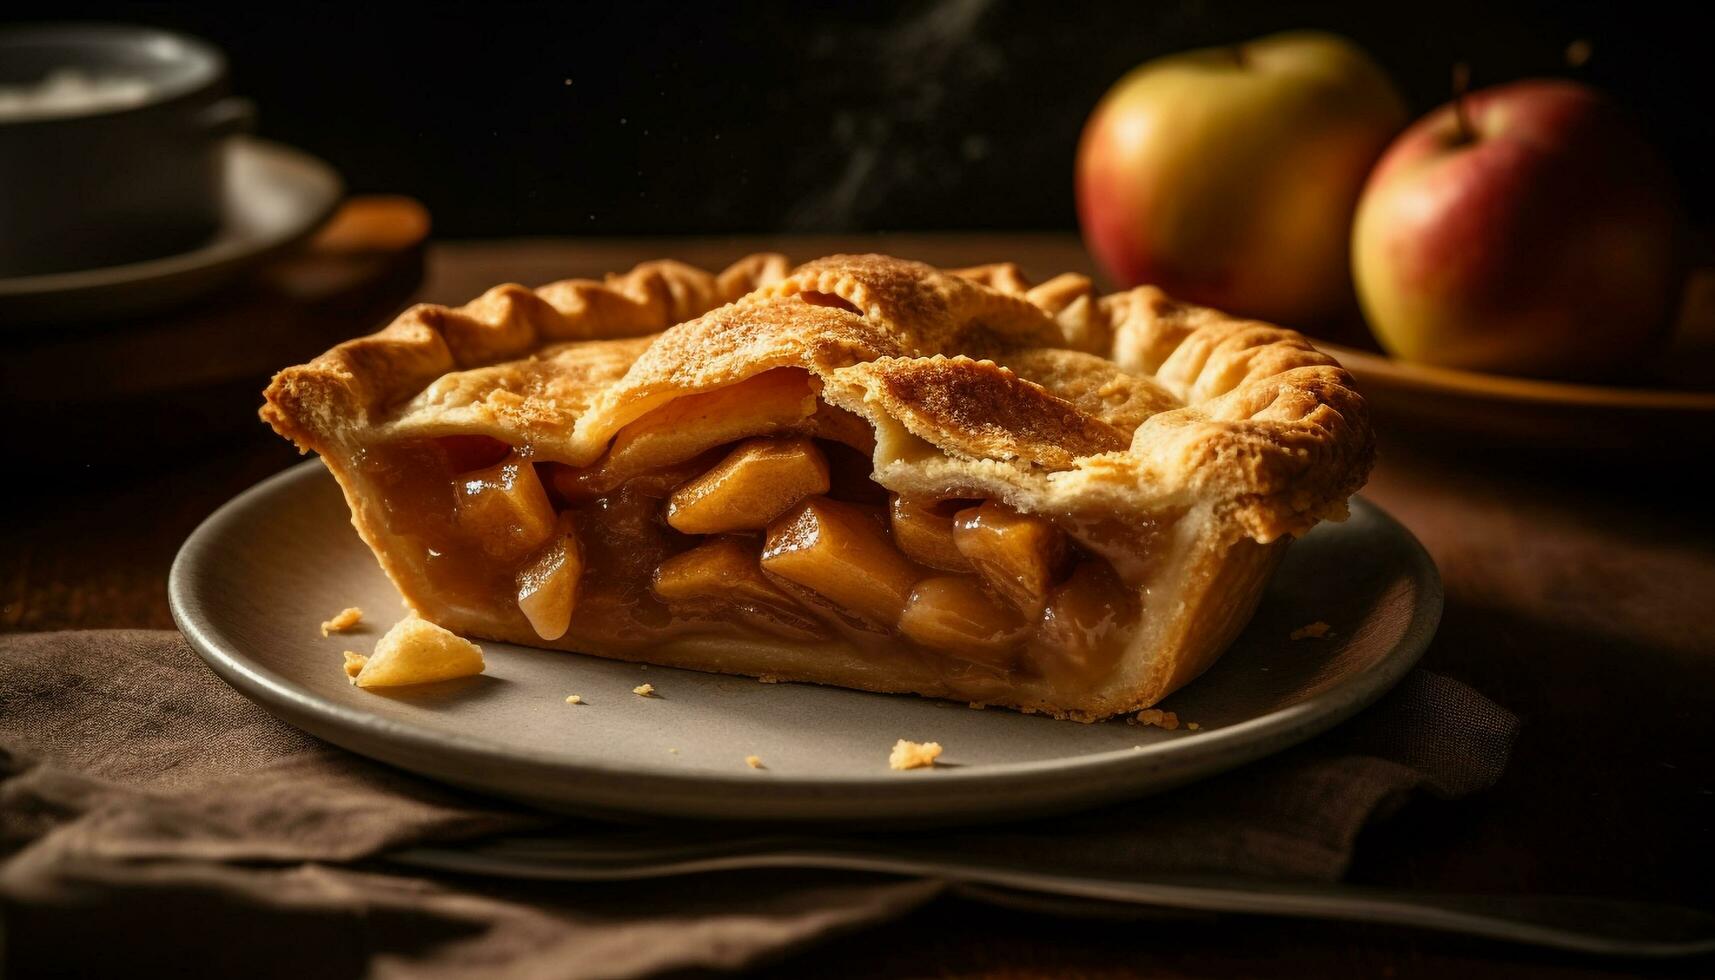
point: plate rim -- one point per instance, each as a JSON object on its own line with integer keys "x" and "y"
{"x": 1509, "y": 388}
{"x": 219, "y": 251}
{"x": 1120, "y": 769}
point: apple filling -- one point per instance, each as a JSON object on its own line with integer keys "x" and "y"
{"x": 749, "y": 511}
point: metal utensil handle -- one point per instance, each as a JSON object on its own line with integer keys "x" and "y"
{"x": 1595, "y": 926}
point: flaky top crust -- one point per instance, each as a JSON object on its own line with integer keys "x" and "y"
{"x": 1049, "y": 397}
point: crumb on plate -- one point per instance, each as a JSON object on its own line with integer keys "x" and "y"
{"x": 1155, "y": 716}
{"x": 343, "y": 620}
{"x": 416, "y": 651}
{"x": 753, "y": 761}
{"x": 644, "y": 690}
{"x": 913, "y": 755}
{"x": 1315, "y": 631}
{"x": 574, "y": 699}
{"x": 354, "y": 662}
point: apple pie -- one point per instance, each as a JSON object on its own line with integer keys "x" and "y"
{"x": 863, "y": 471}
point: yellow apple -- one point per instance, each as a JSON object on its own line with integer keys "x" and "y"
{"x": 1228, "y": 176}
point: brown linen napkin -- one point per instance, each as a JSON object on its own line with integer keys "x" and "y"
{"x": 150, "y": 814}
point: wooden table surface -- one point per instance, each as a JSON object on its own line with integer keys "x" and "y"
{"x": 1580, "y": 594}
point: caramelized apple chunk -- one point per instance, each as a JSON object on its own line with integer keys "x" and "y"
{"x": 548, "y": 585}
{"x": 689, "y": 425}
{"x": 724, "y": 567}
{"x": 840, "y": 552}
{"x": 579, "y": 486}
{"x": 1084, "y": 626}
{"x": 754, "y": 484}
{"x": 1017, "y": 554}
{"x": 725, "y": 574}
{"x": 838, "y": 425}
{"x": 504, "y": 510}
{"x": 923, "y": 529}
{"x": 956, "y": 615}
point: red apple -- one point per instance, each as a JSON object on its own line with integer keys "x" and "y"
{"x": 1526, "y": 229}
{"x": 1228, "y": 176}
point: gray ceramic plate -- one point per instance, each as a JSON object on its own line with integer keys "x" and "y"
{"x": 254, "y": 582}
{"x": 275, "y": 197}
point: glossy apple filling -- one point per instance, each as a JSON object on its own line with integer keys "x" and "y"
{"x": 749, "y": 511}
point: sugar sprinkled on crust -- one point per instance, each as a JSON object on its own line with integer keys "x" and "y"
{"x": 343, "y": 620}
{"x": 1314, "y": 631}
{"x": 913, "y": 755}
{"x": 644, "y": 690}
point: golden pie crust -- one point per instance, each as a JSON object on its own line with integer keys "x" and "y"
{"x": 1182, "y": 446}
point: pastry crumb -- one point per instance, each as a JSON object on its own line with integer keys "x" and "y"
{"x": 1315, "y": 631}
{"x": 1192, "y": 726}
{"x": 979, "y": 705}
{"x": 354, "y": 662}
{"x": 753, "y": 761}
{"x": 645, "y": 691}
{"x": 1155, "y": 716}
{"x": 768, "y": 679}
{"x": 343, "y": 620}
{"x": 574, "y": 699}
{"x": 674, "y": 751}
{"x": 416, "y": 651}
{"x": 913, "y": 755}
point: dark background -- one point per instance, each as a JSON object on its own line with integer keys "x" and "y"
{"x": 643, "y": 118}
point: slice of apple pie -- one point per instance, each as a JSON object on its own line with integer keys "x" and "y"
{"x": 863, "y": 471}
